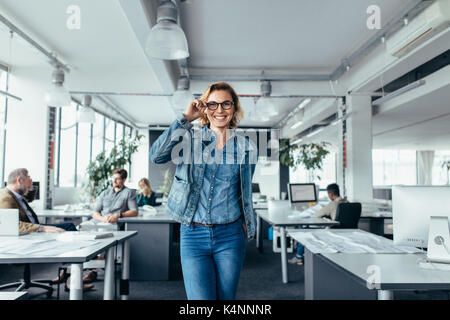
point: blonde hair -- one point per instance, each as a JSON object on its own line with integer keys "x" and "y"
{"x": 147, "y": 191}
{"x": 238, "y": 114}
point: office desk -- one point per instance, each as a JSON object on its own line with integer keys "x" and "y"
{"x": 60, "y": 213}
{"x": 368, "y": 276}
{"x": 374, "y": 221}
{"x": 282, "y": 220}
{"x": 21, "y": 295}
{"x": 75, "y": 257}
{"x": 366, "y": 266}
{"x": 153, "y": 254}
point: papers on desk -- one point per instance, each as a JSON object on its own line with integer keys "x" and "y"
{"x": 308, "y": 213}
{"x": 81, "y": 235}
{"x": 47, "y": 247}
{"x": 325, "y": 241}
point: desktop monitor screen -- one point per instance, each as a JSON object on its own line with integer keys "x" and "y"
{"x": 412, "y": 207}
{"x": 302, "y": 192}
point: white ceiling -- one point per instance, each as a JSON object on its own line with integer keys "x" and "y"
{"x": 225, "y": 37}
{"x": 290, "y": 35}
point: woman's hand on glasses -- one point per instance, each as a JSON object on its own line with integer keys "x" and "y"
{"x": 194, "y": 110}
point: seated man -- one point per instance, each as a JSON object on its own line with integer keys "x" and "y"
{"x": 327, "y": 211}
{"x": 13, "y": 197}
{"x": 115, "y": 202}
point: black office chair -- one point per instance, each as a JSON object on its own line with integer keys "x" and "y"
{"x": 26, "y": 283}
{"x": 348, "y": 214}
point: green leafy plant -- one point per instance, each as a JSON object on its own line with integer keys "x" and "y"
{"x": 99, "y": 171}
{"x": 309, "y": 155}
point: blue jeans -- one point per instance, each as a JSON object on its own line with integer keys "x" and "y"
{"x": 212, "y": 259}
{"x": 300, "y": 250}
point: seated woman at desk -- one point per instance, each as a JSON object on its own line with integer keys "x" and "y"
{"x": 145, "y": 194}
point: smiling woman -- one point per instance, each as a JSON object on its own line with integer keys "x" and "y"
{"x": 211, "y": 199}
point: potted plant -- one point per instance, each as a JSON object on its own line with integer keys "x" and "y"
{"x": 99, "y": 171}
{"x": 310, "y": 155}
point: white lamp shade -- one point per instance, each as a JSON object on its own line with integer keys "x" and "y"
{"x": 265, "y": 105}
{"x": 85, "y": 115}
{"x": 57, "y": 96}
{"x": 167, "y": 41}
{"x": 181, "y": 100}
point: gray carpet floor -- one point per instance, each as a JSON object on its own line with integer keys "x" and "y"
{"x": 260, "y": 280}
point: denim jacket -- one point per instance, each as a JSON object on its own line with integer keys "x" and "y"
{"x": 185, "y": 191}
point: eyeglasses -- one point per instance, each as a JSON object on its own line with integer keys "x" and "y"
{"x": 226, "y": 105}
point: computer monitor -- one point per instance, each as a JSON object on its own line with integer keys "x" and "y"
{"x": 255, "y": 188}
{"x": 302, "y": 192}
{"x": 412, "y": 207}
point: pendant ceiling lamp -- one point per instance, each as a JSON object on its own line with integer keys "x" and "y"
{"x": 85, "y": 114}
{"x": 265, "y": 104}
{"x": 167, "y": 40}
{"x": 183, "y": 96}
{"x": 57, "y": 95}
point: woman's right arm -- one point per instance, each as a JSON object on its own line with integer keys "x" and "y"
{"x": 161, "y": 149}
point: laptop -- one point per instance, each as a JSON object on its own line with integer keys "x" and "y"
{"x": 9, "y": 222}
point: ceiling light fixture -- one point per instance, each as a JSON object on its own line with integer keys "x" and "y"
{"x": 297, "y": 120}
{"x": 183, "y": 96}
{"x": 264, "y": 103}
{"x": 313, "y": 133}
{"x": 398, "y": 92}
{"x": 57, "y": 95}
{"x": 167, "y": 40}
{"x": 85, "y": 114}
{"x": 297, "y": 141}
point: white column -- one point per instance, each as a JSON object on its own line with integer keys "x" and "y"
{"x": 339, "y": 154}
{"x": 358, "y": 174}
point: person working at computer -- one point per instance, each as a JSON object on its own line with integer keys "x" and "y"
{"x": 145, "y": 196}
{"x": 211, "y": 194}
{"x": 327, "y": 211}
{"x": 13, "y": 197}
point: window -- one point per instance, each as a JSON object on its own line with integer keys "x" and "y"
{"x": 440, "y": 175}
{"x": 3, "y": 87}
{"x": 119, "y": 133}
{"x": 109, "y": 135}
{"x": 84, "y": 145}
{"x": 97, "y": 139}
{"x": 327, "y": 174}
{"x": 67, "y": 147}
{"x": 80, "y": 143}
{"x": 392, "y": 167}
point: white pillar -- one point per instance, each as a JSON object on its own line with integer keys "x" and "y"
{"x": 358, "y": 174}
{"x": 340, "y": 152}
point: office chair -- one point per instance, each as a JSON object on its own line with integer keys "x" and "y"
{"x": 348, "y": 214}
{"x": 26, "y": 283}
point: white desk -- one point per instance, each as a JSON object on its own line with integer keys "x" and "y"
{"x": 154, "y": 254}
{"x": 21, "y": 295}
{"x": 365, "y": 275}
{"x": 282, "y": 220}
{"x": 60, "y": 213}
{"x": 76, "y": 258}
{"x": 393, "y": 272}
